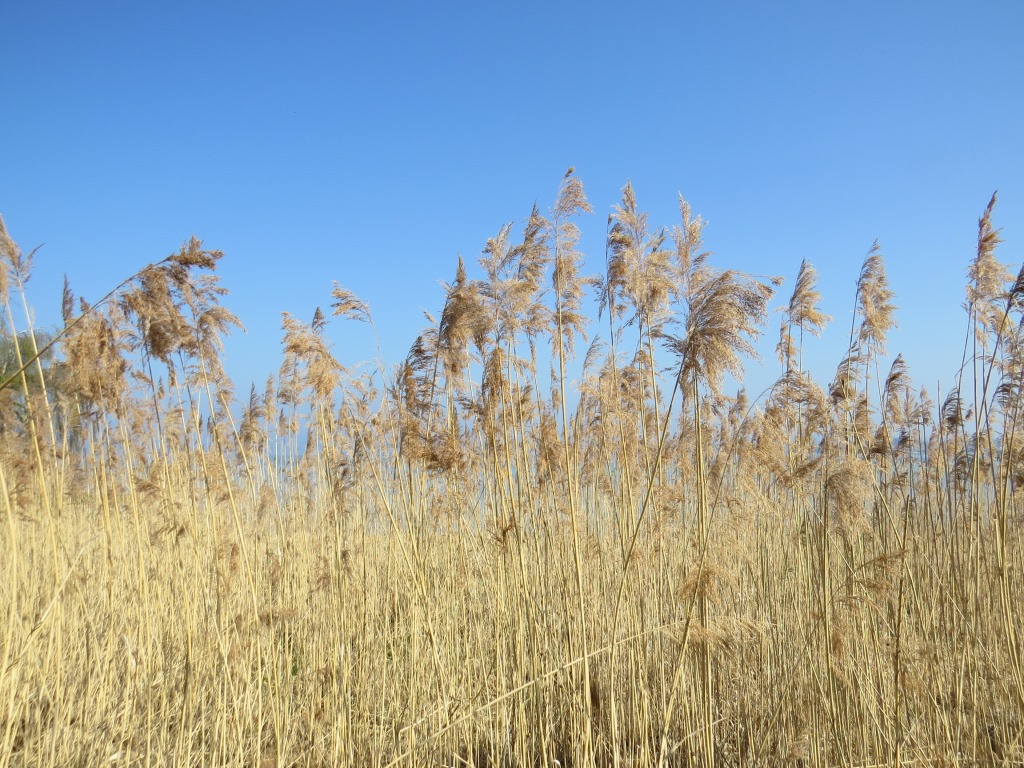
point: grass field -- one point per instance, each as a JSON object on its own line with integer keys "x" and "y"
{"x": 472, "y": 560}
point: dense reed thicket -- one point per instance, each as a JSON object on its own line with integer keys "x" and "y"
{"x": 472, "y": 560}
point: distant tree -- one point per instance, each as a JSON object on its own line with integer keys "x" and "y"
{"x": 15, "y": 351}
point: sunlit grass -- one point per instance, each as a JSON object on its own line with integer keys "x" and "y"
{"x": 471, "y": 560}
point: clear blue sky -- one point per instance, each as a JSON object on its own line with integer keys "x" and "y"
{"x": 372, "y": 143}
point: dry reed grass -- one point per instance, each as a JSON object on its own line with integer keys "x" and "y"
{"x": 443, "y": 565}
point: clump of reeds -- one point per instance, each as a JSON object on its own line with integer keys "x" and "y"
{"x": 476, "y": 559}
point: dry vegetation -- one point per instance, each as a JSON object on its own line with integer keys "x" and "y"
{"x": 470, "y": 560}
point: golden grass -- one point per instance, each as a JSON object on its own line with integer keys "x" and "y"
{"x": 443, "y": 566}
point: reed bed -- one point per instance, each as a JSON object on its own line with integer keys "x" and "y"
{"x": 473, "y": 560}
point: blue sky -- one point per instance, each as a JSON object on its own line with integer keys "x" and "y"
{"x": 374, "y": 143}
